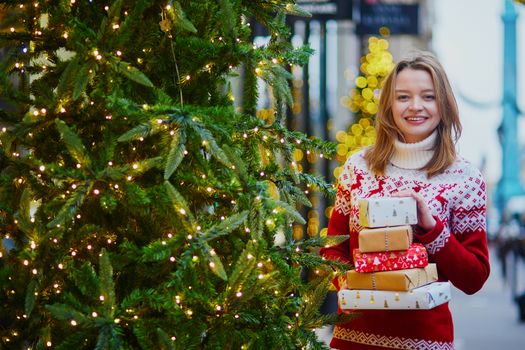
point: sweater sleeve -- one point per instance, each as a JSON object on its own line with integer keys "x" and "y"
{"x": 461, "y": 253}
{"x": 339, "y": 222}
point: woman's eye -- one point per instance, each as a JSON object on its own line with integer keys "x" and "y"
{"x": 429, "y": 97}
{"x": 402, "y": 97}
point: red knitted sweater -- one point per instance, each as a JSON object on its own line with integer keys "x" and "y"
{"x": 457, "y": 244}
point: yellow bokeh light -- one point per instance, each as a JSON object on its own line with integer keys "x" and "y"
{"x": 363, "y": 101}
{"x": 371, "y": 108}
{"x": 298, "y": 155}
{"x": 342, "y": 149}
{"x": 365, "y": 122}
{"x": 337, "y": 171}
{"x": 340, "y": 136}
{"x": 350, "y": 141}
{"x": 368, "y": 94}
{"x": 370, "y": 131}
{"x": 356, "y": 129}
{"x": 360, "y": 82}
{"x": 372, "y": 81}
{"x": 328, "y": 211}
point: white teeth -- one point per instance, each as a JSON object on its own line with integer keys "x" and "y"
{"x": 415, "y": 119}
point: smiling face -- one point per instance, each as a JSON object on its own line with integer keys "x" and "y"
{"x": 414, "y": 108}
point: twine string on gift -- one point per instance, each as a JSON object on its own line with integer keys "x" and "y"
{"x": 386, "y": 240}
{"x": 420, "y": 273}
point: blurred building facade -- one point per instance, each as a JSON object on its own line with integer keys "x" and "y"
{"x": 339, "y": 40}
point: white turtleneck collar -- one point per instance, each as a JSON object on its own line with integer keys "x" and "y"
{"x": 414, "y": 155}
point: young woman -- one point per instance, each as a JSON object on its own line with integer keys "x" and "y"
{"x": 417, "y": 126}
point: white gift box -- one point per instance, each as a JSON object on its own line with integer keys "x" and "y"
{"x": 387, "y": 211}
{"x": 421, "y": 298}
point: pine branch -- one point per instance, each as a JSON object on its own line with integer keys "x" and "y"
{"x": 107, "y": 286}
{"x": 74, "y": 144}
{"x": 86, "y": 280}
{"x": 179, "y": 18}
{"x": 143, "y": 130}
{"x": 242, "y": 270}
{"x": 82, "y": 79}
{"x": 176, "y": 153}
{"x": 30, "y": 298}
{"x": 289, "y": 211}
{"x": 129, "y": 71}
{"x": 210, "y": 143}
{"x": 68, "y": 76}
{"x": 164, "y": 339}
{"x": 23, "y": 213}
{"x": 180, "y": 205}
{"x": 318, "y": 183}
{"x": 71, "y": 206}
{"x": 295, "y": 10}
{"x": 215, "y": 262}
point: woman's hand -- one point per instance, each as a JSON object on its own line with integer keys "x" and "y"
{"x": 425, "y": 220}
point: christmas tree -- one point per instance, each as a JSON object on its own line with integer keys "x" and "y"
{"x": 140, "y": 205}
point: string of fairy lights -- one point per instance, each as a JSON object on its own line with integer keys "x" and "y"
{"x": 98, "y": 188}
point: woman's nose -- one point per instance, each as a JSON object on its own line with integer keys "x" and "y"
{"x": 416, "y": 104}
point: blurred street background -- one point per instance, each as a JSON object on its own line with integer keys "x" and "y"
{"x": 489, "y": 319}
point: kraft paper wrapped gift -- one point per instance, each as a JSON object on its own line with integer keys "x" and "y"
{"x": 384, "y": 239}
{"x": 387, "y": 211}
{"x": 421, "y": 298}
{"x": 415, "y": 256}
{"x": 399, "y": 280}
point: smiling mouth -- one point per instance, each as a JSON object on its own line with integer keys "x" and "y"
{"x": 415, "y": 119}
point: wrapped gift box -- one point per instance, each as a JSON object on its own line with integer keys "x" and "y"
{"x": 415, "y": 256}
{"x": 384, "y": 239}
{"x": 422, "y": 298}
{"x": 400, "y": 280}
{"x": 387, "y": 211}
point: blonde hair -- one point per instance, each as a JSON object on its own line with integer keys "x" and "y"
{"x": 378, "y": 156}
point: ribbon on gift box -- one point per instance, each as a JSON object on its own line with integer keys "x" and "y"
{"x": 399, "y": 280}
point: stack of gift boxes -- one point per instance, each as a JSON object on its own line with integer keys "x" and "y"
{"x": 391, "y": 272}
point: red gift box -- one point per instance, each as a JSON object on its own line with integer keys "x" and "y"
{"x": 415, "y": 256}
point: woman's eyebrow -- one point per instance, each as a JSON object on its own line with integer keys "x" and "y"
{"x": 404, "y": 90}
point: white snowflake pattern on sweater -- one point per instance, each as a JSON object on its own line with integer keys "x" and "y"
{"x": 457, "y": 196}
